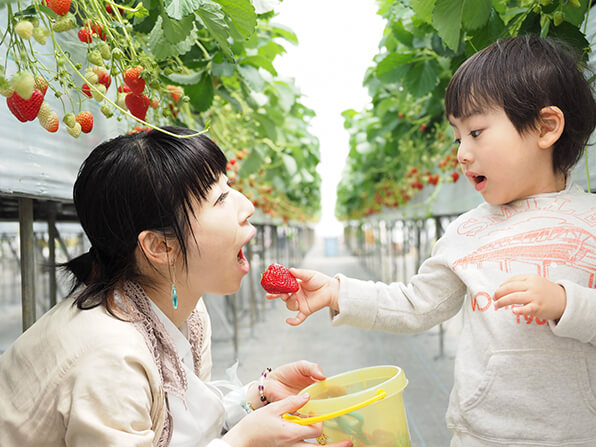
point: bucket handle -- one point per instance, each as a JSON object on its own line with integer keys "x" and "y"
{"x": 380, "y": 394}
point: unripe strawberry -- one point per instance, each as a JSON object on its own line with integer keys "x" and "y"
{"x": 75, "y": 130}
{"x": 69, "y": 119}
{"x": 105, "y": 51}
{"x": 41, "y": 34}
{"x": 558, "y": 18}
{"x": 24, "y": 29}
{"x": 48, "y": 118}
{"x": 99, "y": 92}
{"x": 106, "y": 110}
{"x": 64, "y": 24}
{"x": 121, "y": 100}
{"x": 41, "y": 84}
{"x": 23, "y": 83}
{"x": 91, "y": 77}
{"x": 95, "y": 57}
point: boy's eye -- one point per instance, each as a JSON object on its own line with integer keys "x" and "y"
{"x": 475, "y": 133}
{"x": 457, "y": 141}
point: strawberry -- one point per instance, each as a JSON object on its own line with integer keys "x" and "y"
{"x": 64, "y": 23}
{"x": 24, "y": 29}
{"x": 23, "y": 83}
{"x": 105, "y": 51}
{"x": 85, "y": 119}
{"x": 48, "y": 118}
{"x": 454, "y": 176}
{"x": 99, "y": 92}
{"x": 40, "y": 34}
{"x": 86, "y": 90}
{"x": 278, "y": 279}
{"x": 124, "y": 89}
{"x": 133, "y": 79}
{"x": 137, "y": 104}
{"x": 25, "y": 110}
{"x": 41, "y": 84}
{"x": 70, "y": 120}
{"x": 85, "y": 35}
{"x": 154, "y": 103}
{"x": 60, "y": 7}
{"x": 106, "y": 110}
{"x": 422, "y": 127}
{"x": 103, "y": 77}
{"x": 176, "y": 91}
{"x": 75, "y": 130}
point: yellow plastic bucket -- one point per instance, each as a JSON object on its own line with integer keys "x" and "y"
{"x": 364, "y": 406}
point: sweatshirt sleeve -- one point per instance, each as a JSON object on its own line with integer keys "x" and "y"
{"x": 432, "y": 296}
{"x": 579, "y": 318}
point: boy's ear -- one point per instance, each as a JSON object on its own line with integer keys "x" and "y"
{"x": 157, "y": 247}
{"x": 551, "y": 125}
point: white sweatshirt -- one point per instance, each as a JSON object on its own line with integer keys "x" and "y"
{"x": 519, "y": 381}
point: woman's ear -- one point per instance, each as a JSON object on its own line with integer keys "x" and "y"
{"x": 551, "y": 125}
{"x": 157, "y": 248}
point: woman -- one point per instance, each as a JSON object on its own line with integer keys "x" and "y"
{"x": 125, "y": 360}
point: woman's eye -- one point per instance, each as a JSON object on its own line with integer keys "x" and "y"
{"x": 221, "y": 198}
{"x": 230, "y": 182}
{"x": 475, "y": 133}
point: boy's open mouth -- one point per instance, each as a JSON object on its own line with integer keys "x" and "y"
{"x": 479, "y": 182}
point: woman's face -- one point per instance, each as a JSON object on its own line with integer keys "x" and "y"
{"x": 216, "y": 261}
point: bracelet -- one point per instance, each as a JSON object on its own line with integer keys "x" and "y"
{"x": 262, "y": 385}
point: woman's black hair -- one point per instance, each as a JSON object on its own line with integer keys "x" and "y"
{"x": 522, "y": 75}
{"x": 136, "y": 182}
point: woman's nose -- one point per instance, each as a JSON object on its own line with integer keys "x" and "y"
{"x": 247, "y": 208}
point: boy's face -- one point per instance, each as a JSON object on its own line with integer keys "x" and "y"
{"x": 499, "y": 162}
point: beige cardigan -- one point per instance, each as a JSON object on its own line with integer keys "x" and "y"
{"x": 80, "y": 378}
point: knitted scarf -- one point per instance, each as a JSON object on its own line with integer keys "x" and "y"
{"x": 136, "y": 304}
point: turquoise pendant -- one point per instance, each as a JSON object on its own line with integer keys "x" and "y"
{"x": 174, "y": 297}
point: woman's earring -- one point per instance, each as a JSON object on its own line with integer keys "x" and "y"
{"x": 174, "y": 294}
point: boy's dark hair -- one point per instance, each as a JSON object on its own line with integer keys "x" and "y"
{"x": 136, "y": 182}
{"x": 522, "y": 75}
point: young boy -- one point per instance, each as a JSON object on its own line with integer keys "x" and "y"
{"x": 522, "y": 265}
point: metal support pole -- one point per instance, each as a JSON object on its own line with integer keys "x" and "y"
{"x": 438, "y": 234}
{"x": 52, "y": 233}
{"x": 251, "y": 290}
{"x": 27, "y": 262}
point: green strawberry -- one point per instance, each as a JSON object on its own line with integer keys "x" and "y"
{"x": 23, "y": 83}
{"x": 95, "y": 57}
{"x": 69, "y": 119}
{"x": 65, "y": 23}
{"x": 41, "y": 34}
{"x": 106, "y": 110}
{"x": 24, "y": 29}
{"x": 105, "y": 51}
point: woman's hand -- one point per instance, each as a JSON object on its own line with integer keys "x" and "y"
{"x": 532, "y": 295}
{"x": 316, "y": 291}
{"x": 289, "y": 379}
{"x": 266, "y": 427}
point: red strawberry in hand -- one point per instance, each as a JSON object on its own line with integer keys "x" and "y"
{"x": 278, "y": 279}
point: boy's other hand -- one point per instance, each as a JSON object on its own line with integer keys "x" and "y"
{"x": 316, "y": 291}
{"x": 532, "y": 295}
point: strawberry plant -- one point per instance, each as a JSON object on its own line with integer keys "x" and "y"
{"x": 205, "y": 65}
{"x": 403, "y": 144}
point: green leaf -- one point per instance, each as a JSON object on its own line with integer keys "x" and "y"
{"x": 286, "y": 95}
{"x": 259, "y": 62}
{"x": 242, "y": 13}
{"x": 267, "y": 126}
{"x": 253, "y": 162}
{"x": 570, "y": 34}
{"x": 225, "y": 94}
{"x": 177, "y": 30}
{"x": 271, "y": 49}
{"x": 223, "y": 69}
{"x": 575, "y": 15}
{"x": 186, "y": 79}
{"x": 252, "y": 77}
{"x": 278, "y": 30}
{"x": 394, "y": 66}
{"x": 162, "y": 49}
{"x": 447, "y": 17}
{"x": 401, "y": 33}
{"x": 489, "y": 33}
{"x": 177, "y": 9}
{"x": 290, "y": 164}
{"x": 423, "y": 9}
{"x": 423, "y": 77}
{"x": 476, "y": 13}
{"x": 200, "y": 94}
{"x": 214, "y": 20}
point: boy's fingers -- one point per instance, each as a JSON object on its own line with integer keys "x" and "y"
{"x": 298, "y": 319}
{"x": 512, "y": 298}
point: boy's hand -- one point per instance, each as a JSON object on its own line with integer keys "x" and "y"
{"x": 534, "y": 295}
{"x": 316, "y": 291}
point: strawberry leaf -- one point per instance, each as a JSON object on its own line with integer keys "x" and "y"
{"x": 447, "y": 16}
{"x": 214, "y": 20}
{"x": 242, "y": 14}
{"x": 177, "y": 9}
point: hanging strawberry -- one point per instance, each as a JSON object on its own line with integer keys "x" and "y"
{"x": 132, "y": 78}
{"x": 60, "y": 7}
{"x": 85, "y": 119}
{"x": 25, "y": 109}
{"x": 137, "y": 105}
